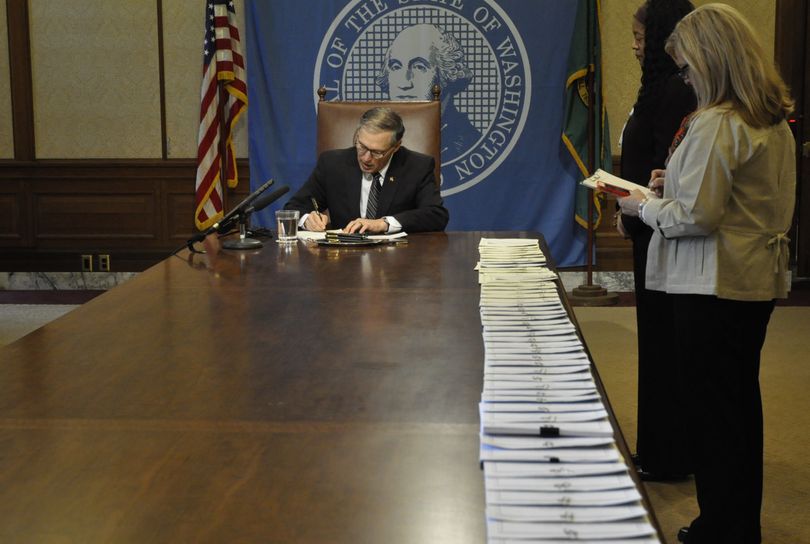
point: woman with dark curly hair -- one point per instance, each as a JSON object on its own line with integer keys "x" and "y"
{"x": 664, "y": 100}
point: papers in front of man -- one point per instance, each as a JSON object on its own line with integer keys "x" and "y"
{"x": 608, "y": 183}
{"x": 336, "y": 235}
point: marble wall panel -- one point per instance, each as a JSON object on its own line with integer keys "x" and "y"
{"x": 6, "y": 140}
{"x": 182, "y": 42}
{"x": 95, "y": 79}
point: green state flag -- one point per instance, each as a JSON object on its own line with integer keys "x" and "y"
{"x": 586, "y": 54}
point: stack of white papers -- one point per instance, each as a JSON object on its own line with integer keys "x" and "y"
{"x": 552, "y": 471}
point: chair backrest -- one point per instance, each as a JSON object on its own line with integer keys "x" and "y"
{"x": 337, "y": 121}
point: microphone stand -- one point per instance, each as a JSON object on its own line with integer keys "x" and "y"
{"x": 243, "y": 242}
{"x": 242, "y": 212}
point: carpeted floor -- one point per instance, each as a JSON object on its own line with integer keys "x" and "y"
{"x": 17, "y": 320}
{"x": 785, "y": 379}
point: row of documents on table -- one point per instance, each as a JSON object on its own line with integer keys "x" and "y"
{"x": 552, "y": 471}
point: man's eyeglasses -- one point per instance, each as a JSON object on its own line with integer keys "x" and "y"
{"x": 362, "y": 150}
{"x": 683, "y": 72}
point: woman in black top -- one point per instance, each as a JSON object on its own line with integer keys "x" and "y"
{"x": 664, "y": 100}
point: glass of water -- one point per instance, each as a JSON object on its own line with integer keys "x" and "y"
{"x": 287, "y": 226}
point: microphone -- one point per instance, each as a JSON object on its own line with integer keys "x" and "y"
{"x": 265, "y": 200}
{"x": 225, "y": 223}
{"x": 243, "y": 242}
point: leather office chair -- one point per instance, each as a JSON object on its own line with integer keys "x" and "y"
{"x": 337, "y": 121}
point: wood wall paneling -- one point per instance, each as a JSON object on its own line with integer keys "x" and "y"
{"x": 803, "y": 254}
{"x": 116, "y": 213}
{"x": 791, "y": 45}
{"x": 135, "y": 211}
{"x": 22, "y": 98}
{"x": 14, "y": 215}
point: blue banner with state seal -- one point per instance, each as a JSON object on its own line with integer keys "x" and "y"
{"x": 502, "y": 66}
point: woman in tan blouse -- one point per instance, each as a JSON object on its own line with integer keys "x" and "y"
{"x": 720, "y": 249}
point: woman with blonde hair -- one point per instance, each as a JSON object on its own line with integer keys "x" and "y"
{"x": 720, "y": 250}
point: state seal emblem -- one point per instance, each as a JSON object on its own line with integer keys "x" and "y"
{"x": 398, "y": 49}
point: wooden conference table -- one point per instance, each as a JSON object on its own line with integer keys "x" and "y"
{"x": 299, "y": 394}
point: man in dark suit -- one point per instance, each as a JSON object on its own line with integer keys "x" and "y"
{"x": 376, "y": 186}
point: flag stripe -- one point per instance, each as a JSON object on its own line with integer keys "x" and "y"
{"x": 222, "y": 62}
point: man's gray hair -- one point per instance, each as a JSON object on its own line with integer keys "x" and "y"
{"x": 378, "y": 120}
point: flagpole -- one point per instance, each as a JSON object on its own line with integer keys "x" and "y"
{"x": 222, "y": 103}
{"x": 590, "y": 294}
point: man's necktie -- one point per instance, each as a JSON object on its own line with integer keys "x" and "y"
{"x": 373, "y": 196}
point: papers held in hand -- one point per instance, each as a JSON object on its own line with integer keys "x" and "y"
{"x": 608, "y": 183}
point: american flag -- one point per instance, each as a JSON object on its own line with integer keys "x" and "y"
{"x": 223, "y": 61}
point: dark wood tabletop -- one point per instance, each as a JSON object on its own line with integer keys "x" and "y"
{"x": 287, "y": 394}
{"x": 300, "y": 394}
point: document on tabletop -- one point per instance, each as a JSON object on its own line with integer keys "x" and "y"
{"x": 525, "y": 338}
{"x": 538, "y": 348}
{"x": 308, "y": 235}
{"x": 549, "y": 455}
{"x": 552, "y": 470}
{"x": 542, "y": 367}
{"x": 528, "y": 336}
{"x": 569, "y": 531}
{"x": 550, "y": 498}
{"x": 540, "y": 407}
{"x": 494, "y": 418}
{"x": 510, "y": 540}
{"x": 388, "y": 237}
{"x": 522, "y": 274}
{"x": 578, "y": 484}
{"x": 561, "y": 428}
{"x": 536, "y": 359}
{"x": 559, "y": 373}
{"x": 539, "y": 397}
{"x": 532, "y": 327}
{"x": 311, "y": 236}
{"x": 504, "y": 310}
{"x": 562, "y": 371}
{"x": 530, "y": 386}
{"x": 537, "y": 443}
{"x": 522, "y": 309}
{"x": 582, "y": 514}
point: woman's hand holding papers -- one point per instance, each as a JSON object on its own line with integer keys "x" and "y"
{"x": 632, "y": 205}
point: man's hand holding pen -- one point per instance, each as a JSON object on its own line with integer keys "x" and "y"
{"x": 316, "y": 221}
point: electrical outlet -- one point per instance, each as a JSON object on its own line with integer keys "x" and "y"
{"x": 87, "y": 263}
{"x": 104, "y": 263}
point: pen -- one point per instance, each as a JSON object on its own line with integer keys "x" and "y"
{"x": 315, "y": 206}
